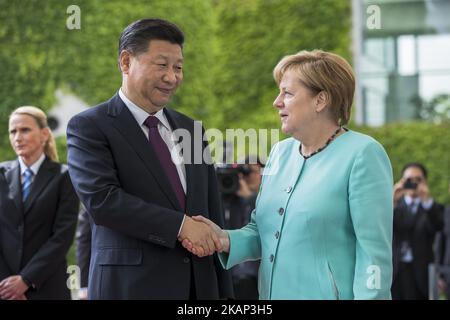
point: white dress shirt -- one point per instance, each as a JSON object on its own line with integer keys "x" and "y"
{"x": 417, "y": 201}
{"x": 34, "y": 167}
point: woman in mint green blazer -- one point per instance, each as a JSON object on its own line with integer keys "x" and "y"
{"x": 322, "y": 226}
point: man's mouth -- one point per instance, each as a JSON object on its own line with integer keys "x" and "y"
{"x": 165, "y": 91}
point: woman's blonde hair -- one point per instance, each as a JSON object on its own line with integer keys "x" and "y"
{"x": 323, "y": 71}
{"x": 41, "y": 120}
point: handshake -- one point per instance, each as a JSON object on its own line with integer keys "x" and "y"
{"x": 203, "y": 237}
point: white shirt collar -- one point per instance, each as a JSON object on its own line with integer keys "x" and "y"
{"x": 140, "y": 114}
{"x": 409, "y": 200}
{"x": 34, "y": 167}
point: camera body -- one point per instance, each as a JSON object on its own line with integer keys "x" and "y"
{"x": 228, "y": 177}
{"x": 409, "y": 184}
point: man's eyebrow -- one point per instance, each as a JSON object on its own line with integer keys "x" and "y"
{"x": 166, "y": 57}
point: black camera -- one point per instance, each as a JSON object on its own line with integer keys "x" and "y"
{"x": 228, "y": 177}
{"x": 409, "y": 184}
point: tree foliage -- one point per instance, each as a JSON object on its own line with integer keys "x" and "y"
{"x": 40, "y": 54}
{"x": 253, "y": 36}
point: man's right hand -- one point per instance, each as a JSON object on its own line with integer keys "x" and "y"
{"x": 201, "y": 236}
{"x": 221, "y": 234}
{"x": 399, "y": 191}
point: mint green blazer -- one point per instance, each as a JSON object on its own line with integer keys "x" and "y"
{"x": 322, "y": 227}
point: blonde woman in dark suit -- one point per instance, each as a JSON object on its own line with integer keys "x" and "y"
{"x": 38, "y": 212}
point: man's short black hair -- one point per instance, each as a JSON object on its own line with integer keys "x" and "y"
{"x": 136, "y": 37}
{"x": 417, "y": 165}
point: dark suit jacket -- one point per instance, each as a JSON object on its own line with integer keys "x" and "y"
{"x": 136, "y": 215}
{"x": 419, "y": 230}
{"x": 446, "y": 233}
{"x": 442, "y": 248}
{"x": 35, "y": 236}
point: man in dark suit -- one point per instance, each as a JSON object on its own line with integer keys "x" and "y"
{"x": 38, "y": 213}
{"x": 140, "y": 200}
{"x": 417, "y": 219}
{"x": 442, "y": 256}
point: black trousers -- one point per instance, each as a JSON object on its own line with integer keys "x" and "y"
{"x": 192, "y": 291}
{"x": 405, "y": 286}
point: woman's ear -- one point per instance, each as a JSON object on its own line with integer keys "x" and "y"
{"x": 322, "y": 100}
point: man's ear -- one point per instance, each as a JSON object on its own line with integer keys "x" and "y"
{"x": 322, "y": 101}
{"x": 124, "y": 61}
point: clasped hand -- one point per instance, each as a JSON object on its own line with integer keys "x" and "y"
{"x": 203, "y": 237}
{"x": 13, "y": 288}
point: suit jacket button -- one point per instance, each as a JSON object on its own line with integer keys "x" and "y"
{"x": 271, "y": 257}
{"x": 277, "y": 234}
{"x": 289, "y": 189}
{"x": 280, "y": 211}
{"x": 186, "y": 260}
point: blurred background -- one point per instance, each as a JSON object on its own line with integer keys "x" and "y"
{"x": 400, "y": 50}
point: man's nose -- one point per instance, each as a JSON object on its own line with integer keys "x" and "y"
{"x": 170, "y": 76}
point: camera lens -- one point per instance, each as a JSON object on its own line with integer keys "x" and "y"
{"x": 228, "y": 180}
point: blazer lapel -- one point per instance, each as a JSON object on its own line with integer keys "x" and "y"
{"x": 45, "y": 174}
{"x": 15, "y": 186}
{"x": 124, "y": 121}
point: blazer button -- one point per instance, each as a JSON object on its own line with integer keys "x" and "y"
{"x": 277, "y": 234}
{"x": 271, "y": 258}
{"x": 280, "y": 211}
{"x": 186, "y": 260}
{"x": 289, "y": 189}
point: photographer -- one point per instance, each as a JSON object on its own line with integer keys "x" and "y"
{"x": 417, "y": 219}
{"x": 442, "y": 256}
{"x": 239, "y": 185}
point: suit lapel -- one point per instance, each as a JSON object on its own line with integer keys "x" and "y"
{"x": 15, "y": 186}
{"x": 124, "y": 121}
{"x": 45, "y": 174}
